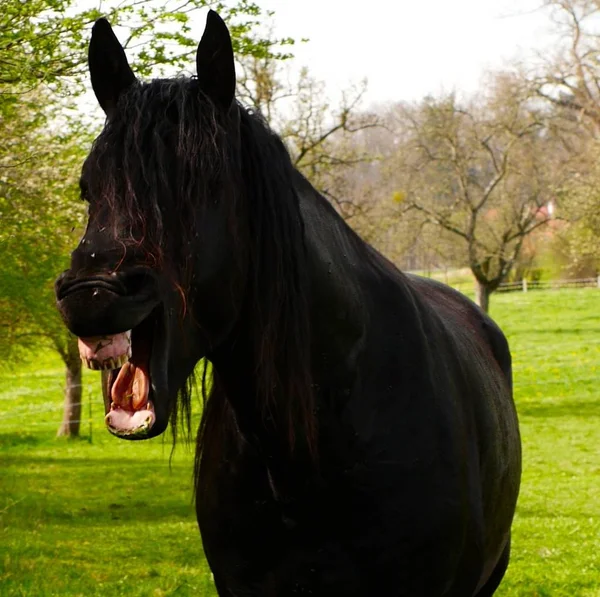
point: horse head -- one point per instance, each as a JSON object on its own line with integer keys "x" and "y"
{"x": 155, "y": 281}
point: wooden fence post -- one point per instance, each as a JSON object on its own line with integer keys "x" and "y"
{"x": 524, "y": 285}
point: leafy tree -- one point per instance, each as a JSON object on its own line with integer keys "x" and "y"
{"x": 43, "y": 54}
{"x": 45, "y": 41}
{"x": 37, "y": 182}
{"x": 580, "y": 202}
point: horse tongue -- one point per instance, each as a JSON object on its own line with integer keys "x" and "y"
{"x": 130, "y": 389}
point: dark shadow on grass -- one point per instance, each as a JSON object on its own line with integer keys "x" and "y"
{"x": 116, "y": 511}
{"x": 105, "y": 491}
{"x": 567, "y": 408}
{"x": 19, "y": 440}
{"x": 551, "y": 331}
{"x": 90, "y": 463}
{"x": 104, "y": 516}
{"x": 564, "y": 514}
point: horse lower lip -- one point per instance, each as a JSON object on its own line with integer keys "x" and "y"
{"x": 122, "y": 422}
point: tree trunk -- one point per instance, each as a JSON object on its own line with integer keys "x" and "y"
{"x": 482, "y": 295}
{"x": 73, "y": 393}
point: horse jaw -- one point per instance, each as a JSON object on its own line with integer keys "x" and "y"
{"x": 131, "y": 413}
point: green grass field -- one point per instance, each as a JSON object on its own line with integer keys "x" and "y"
{"x": 115, "y": 518}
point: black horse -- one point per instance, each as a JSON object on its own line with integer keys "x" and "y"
{"x": 359, "y": 436}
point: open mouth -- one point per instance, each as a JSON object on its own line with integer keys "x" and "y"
{"x": 126, "y": 358}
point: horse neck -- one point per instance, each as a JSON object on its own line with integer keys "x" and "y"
{"x": 337, "y": 326}
{"x": 337, "y": 257}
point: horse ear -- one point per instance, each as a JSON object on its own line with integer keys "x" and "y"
{"x": 109, "y": 70}
{"x": 214, "y": 62}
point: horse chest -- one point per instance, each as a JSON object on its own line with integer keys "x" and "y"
{"x": 259, "y": 544}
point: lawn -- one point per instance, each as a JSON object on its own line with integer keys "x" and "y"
{"x": 109, "y": 517}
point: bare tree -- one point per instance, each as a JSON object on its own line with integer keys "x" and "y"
{"x": 570, "y": 76}
{"x": 260, "y": 86}
{"x": 568, "y": 80}
{"x": 479, "y": 172}
{"x": 325, "y": 141}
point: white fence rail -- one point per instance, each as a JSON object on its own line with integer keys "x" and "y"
{"x": 526, "y": 286}
{"x": 50, "y": 416}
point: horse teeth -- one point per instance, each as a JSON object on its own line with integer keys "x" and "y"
{"x": 91, "y": 364}
{"x": 107, "y": 365}
{"x": 124, "y": 358}
{"x": 115, "y": 362}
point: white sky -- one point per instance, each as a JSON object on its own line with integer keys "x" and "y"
{"x": 408, "y": 48}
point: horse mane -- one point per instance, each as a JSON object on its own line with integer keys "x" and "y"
{"x": 277, "y": 302}
{"x": 253, "y": 173}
